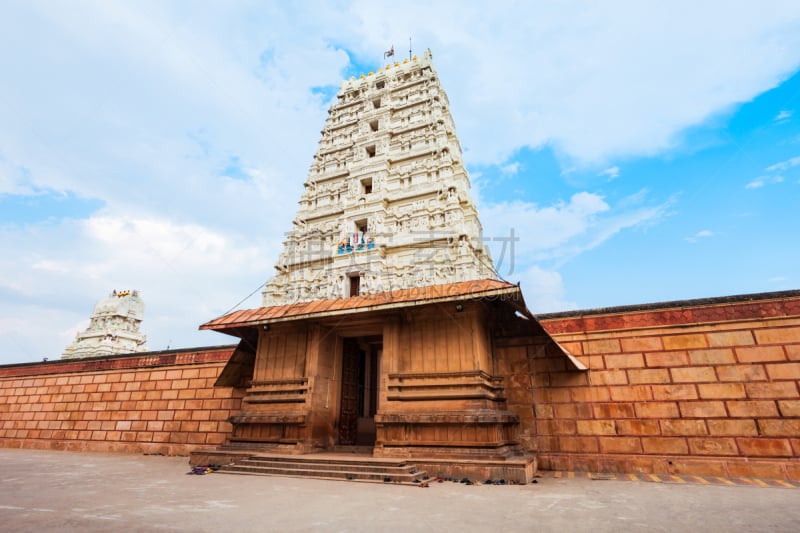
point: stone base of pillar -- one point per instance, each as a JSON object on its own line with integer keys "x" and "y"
{"x": 483, "y": 434}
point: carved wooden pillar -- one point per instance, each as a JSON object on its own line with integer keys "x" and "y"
{"x": 441, "y": 397}
{"x": 275, "y": 407}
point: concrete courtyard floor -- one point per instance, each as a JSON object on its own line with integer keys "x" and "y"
{"x": 66, "y": 491}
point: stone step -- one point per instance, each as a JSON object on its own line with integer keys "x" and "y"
{"x": 375, "y": 476}
{"x": 376, "y": 470}
{"x": 362, "y": 461}
{"x": 352, "y": 449}
{"x": 329, "y": 467}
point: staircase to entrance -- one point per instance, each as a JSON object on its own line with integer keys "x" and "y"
{"x": 346, "y": 467}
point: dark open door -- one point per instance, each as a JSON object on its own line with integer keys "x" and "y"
{"x": 351, "y": 385}
{"x": 359, "y": 390}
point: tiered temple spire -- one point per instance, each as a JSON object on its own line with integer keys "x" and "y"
{"x": 113, "y": 328}
{"x": 386, "y": 202}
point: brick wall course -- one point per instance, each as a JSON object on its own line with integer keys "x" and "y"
{"x": 741, "y": 373}
{"x": 666, "y": 359}
{"x": 760, "y": 354}
{"x": 789, "y": 408}
{"x": 675, "y": 392}
{"x": 778, "y": 335}
{"x": 686, "y": 427}
{"x": 650, "y": 375}
{"x": 637, "y": 427}
{"x": 793, "y": 352}
{"x": 631, "y": 360}
{"x": 730, "y": 338}
{"x": 122, "y": 404}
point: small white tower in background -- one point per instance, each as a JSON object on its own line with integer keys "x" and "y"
{"x": 114, "y": 328}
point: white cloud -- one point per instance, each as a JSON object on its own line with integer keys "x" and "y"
{"x": 27, "y": 335}
{"x": 702, "y": 234}
{"x": 784, "y": 165}
{"x": 567, "y": 171}
{"x": 14, "y": 179}
{"x": 49, "y": 266}
{"x": 772, "y": 178}
{"x": 544, "y": 290}
{"x": 612, "y": 173}
{"x": 559, "y": 232}
{"x": 783, "y": 116}
{"x": 762, "y": 181}
{"x": 511, "y": 168}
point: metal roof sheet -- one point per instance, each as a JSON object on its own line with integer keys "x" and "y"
{"x": 414, "y": 296}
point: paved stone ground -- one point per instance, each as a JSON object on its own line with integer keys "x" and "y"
{"x": 682, "y": 478}
{"x": 63, "y": 491}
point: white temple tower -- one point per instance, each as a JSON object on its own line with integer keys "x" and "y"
{"x": 386, "y": 203}
{"x": 114, "y": 328}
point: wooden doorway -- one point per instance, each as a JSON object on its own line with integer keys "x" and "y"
{"x": 359, "y": 401}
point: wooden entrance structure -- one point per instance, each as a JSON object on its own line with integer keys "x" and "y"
{"x": 423, "y": 374}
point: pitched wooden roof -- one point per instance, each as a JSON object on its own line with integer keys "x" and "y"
{"x": 465, "y": 290}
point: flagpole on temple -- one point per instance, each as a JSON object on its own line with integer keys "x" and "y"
{"x": 409, "y": 48}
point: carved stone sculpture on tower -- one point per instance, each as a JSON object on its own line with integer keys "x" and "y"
{"x": 388, "y": 187}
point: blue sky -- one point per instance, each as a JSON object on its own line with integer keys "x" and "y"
{"x": 640, "y": 151}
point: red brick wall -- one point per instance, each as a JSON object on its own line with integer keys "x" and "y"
{"x": 707, "y": 389}
{"x": 700, "y": 388}
{"x": 162, "y": 402}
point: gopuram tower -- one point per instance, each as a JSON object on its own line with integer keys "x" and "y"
{"x": 385, "y": 328}
{"x": 113, "y": 328}
{"x": 386, "y": 203}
